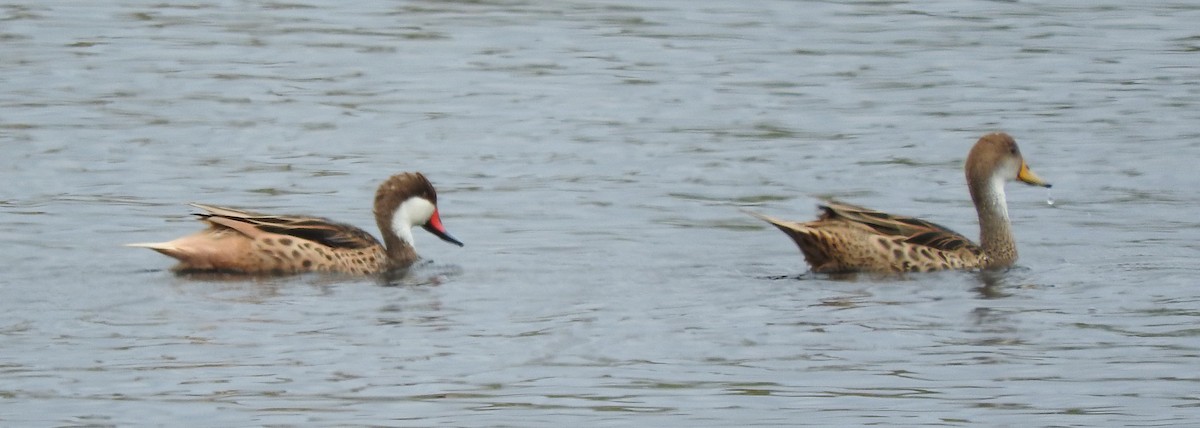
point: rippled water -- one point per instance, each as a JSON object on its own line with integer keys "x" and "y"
{"x": 595, "y": 156}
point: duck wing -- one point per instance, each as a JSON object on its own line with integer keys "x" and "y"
{"x": 316, "y": 229}
{"x": 910, "y": 229}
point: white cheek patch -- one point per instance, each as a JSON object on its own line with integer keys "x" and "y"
{"x": 413, "y": 211}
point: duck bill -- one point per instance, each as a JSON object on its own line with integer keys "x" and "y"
{"x": 1026, "y": 175}
{"x": 434, "y": 226}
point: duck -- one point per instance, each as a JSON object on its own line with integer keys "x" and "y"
{"x": 848, "y": 238}
{"x": 246, "y": 242}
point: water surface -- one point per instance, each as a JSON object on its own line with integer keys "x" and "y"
{"x": 595, "y": 157}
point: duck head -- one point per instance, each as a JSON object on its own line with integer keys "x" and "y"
{"x": 407, "y": 200}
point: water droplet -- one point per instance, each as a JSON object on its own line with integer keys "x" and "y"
{"x": 1049, "y": 198}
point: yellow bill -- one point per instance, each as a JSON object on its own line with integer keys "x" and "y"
{"x": 1028, "y": 176}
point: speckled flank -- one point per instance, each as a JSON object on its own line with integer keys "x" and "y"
{"x": 849, "y": 238}
{"x": 294, "y": 255}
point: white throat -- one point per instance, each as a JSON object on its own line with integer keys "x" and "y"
{"x": 413, "y": 211}
{"x": 996, "y": 197}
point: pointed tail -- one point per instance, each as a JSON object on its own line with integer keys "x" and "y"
{"x": 815, "y": 252}
{"x": 162, "y": 247}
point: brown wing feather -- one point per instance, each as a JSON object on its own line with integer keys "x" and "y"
{"x": 316, "y": 229}
{"x": 913, "y": 230}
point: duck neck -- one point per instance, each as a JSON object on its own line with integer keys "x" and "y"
{"x": 995, "y": 233}
{"x": 397, "y": 246}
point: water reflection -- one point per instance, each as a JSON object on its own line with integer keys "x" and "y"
{"x": 992, "y": 283}
{"x": 423, "y": 273}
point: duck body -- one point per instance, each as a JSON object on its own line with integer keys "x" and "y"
{"x": 847, "y": 238}
{"x": 246, "y": 242}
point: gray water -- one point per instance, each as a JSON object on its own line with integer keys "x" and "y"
{"x": 595, "y": 157}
